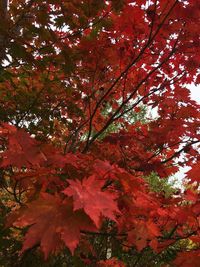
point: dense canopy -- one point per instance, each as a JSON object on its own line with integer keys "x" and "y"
{"x": 95, "y": 117}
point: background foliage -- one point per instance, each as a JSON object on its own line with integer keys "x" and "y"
{"x": 85, "y": 168}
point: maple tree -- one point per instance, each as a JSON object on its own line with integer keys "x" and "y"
{"x": 79, "y": 150}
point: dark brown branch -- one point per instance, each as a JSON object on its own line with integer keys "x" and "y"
{"x": 113, "y": 117}
{"x": 148, "y": 43}
{"x": 176, "y": 154}
{"x": 103, "y": 233}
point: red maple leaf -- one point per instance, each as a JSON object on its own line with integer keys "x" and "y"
{"x": 89, "y": 196}
{"x": 22, "y": 150}
{"x": 110, "y": 263}
{"x": 193, "y": 174}
{"x": 53, "y": 223}
{"x": 188, "y": 259}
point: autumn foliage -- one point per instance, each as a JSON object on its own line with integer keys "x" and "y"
{"x": 93, "y": 101}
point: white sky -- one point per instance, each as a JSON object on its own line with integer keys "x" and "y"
{"x": 195, "y": 92}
